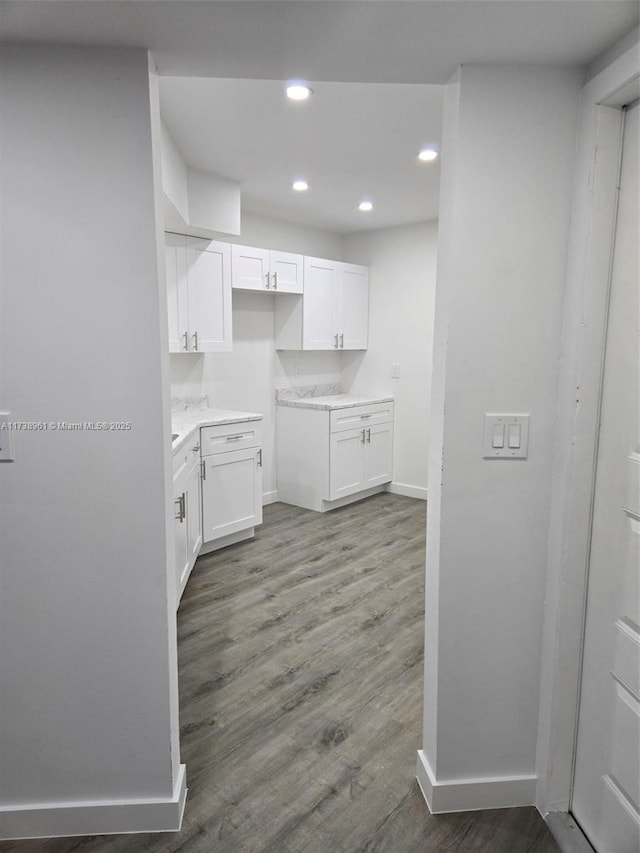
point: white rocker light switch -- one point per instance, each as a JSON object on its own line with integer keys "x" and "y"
{"x": 506, "y": 436}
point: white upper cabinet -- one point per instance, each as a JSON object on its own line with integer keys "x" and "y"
{"x": 198, "y": 294}
{"x": 286, "y": 271}
{"x": 266, "y": 269}
{"x": 332, "y": 314}
{"x": 319, "y": 315}
{"x": 353, "y": 307}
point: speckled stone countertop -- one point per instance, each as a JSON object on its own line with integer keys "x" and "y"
{"x": 325, "y": 397}
{"x": 186, "y": 423}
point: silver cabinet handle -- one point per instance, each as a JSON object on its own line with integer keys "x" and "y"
{"x": 275, "y": 281}
{"x": 266, "y": 279}
{"x": 364, "y": 417}
{"x": 185, "y": 337}
{"x": 234, "y": 437}
{"x": 195, "y": 448}
{"x": 369, "y": 436}
{"x": 203, "y": 469}
{"x": 195, "y": 342}
{"x": 336, "y": 343}
{"x": 362, "y": 436}
{"x": 178, "y": 501}
{"x": 341, "y": 340}
{"x": 260, "y": 458}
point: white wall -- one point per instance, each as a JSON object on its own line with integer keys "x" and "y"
{"x": 87, "y": 631}
{"x": 245, "y": 378}
{"x": 507, "y": 164}
{"x": 402, "y": 298}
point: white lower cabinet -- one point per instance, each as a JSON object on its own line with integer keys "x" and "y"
{"x": 187, "y": 513}
{"x": 326, "y": 458}
{"x": 360, "y": 459}
{"x": 231, "y": 483}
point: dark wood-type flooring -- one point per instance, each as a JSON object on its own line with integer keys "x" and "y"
{"x": 301, "y": 698}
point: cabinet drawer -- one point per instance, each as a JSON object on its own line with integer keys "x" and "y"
{"x": 227, "y": 437}
{"x": 359, "y": 416}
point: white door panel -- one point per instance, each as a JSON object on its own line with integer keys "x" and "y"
{"x": 250, "y": 268}
{"x": 320, "y": 284}
{"x": 353, "y": 307}
{"x": 379, "y": 455}
{"x": 209, "y": 275}
{"x": 346, "y": 463}
{"x": 606, "y": 796}
{"x": 231, "y": 493}
{"x": 286, "y": 272}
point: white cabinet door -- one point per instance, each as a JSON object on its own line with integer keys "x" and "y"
{"x": 286, "y": 270}
{"x": 353, "y": 307}
{"x": 250, "y": 268}
{"x": 231, "y": 493}
{"x": 319, "y": 304}
{"x": 181, "y": 535}
{"x": 346, "y": 463}
{"x": 194, "y": 514}
{"x": 378, "y": 463}
{"x": 265, "y": 269}
{"x": 209, "y": 278}
{"x": 177, "y": 300}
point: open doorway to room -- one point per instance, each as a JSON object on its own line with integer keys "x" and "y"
{"x": 302, "y": 649}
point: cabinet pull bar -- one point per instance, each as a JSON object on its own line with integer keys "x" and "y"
{"x": 185, "y": 336}
{"x": 336, "y": 343}
{"x": 362, "y": 417}
{"x": 203, "y": 469}
{"x": 341, "y": 340}
{"x": 362, "y": 436}
{"x": 266, "y": 278}
{"x": 369, "y": 435}
{"x": 234, "y": 437}
{"x": 260, "y": 458}
{"x": 275, "y": 281}
{"x": 178, "y": 517}
{"x": 195, "y": 342}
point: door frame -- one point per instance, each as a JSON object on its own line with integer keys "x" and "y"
{"x": 611, "y": 84}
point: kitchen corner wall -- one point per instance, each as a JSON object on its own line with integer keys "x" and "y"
{"x": 402, "y": 289}
{"x": 401, "y": 307}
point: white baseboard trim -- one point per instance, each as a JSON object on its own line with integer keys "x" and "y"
{"x": 567, "y": 833}
{"x": 107, "y": 817}
{"x": 408, "y": 491}
{"x": 269, "y": 497}
{"x": 461, "y": 795}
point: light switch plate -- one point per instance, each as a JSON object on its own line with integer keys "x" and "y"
{"x": 514, "y": 428}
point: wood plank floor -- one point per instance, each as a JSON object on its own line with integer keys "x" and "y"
{"x": 301, "y": 698}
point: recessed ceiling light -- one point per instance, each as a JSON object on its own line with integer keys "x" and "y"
{"x": 365, "y": 206}
{"x": 300, "y": 186}
{"x": 298, "y": 91}
{"x": 427, "y": 154}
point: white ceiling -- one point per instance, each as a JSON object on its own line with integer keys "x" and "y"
{"x": 348, "y": 140}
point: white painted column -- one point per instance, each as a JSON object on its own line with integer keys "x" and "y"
{"x": 507, "y": 162}
{"x": 88, "y": 687}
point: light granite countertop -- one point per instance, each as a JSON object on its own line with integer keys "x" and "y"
{"x": 187, "y": 423}
{"x": 325, "y": 397}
